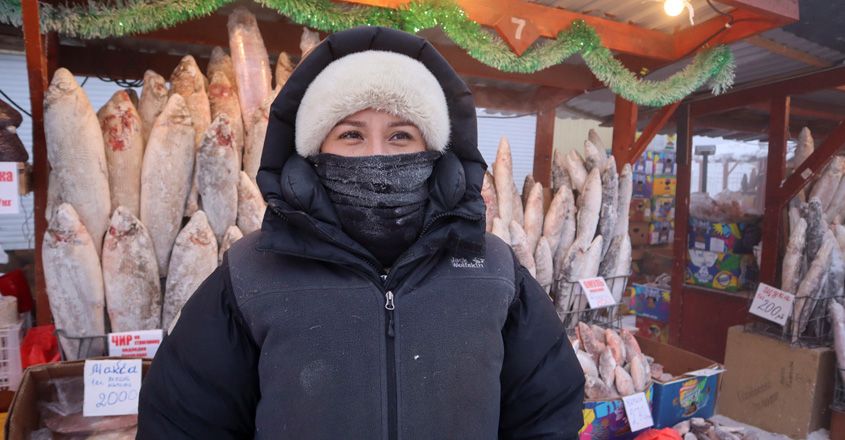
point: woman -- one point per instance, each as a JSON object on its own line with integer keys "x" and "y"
{"x": 371, "y": 304}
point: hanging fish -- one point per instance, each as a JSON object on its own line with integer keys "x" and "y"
{"x": 526, "y": 188}
{"x": 589, "y": 207}
{"x": 553, "y": 221}
{"x": 251, "y": 205}
{"x": 574, "y": 166}
{"x": 811, "y": 288}
{"x": 491, "y": 203}
{"x": 826, "y": 186}
{"x": 223, "y": 99}
{"x": 217, "y": 176}
{"x": 221, "y": 62}
{"x": 130, "y": 275}
{"x": 194, "y": 259}
{"x": 166, "y": 177}
{"x": 518, "y": 209}
{"x": 77, "y": 154}
{"x": 74, "y": 282}
{"x": 519, "y": 243}
{"x": 544, "y": 264}
{"x": 124, "y": 144}
{"x": 501, "y": 230}
{"x": 152, "y": 101}
{"x": 232, "y": 235}
{"x": 793, "y": 258}
{"x": 250, "y": 60}
{"x": 284, "y": 68}
{"x": 626, "y": 188}
{"x": 593, "y": 157}
{"x": 534, "y": 216}
{"x": 560, "y": 176}
{"x": 609, "y": 203}
{"x": 254, "y": 142}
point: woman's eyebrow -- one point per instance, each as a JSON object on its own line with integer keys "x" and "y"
{"x": 352, "y": 122}
{"x": 400, "y": 124}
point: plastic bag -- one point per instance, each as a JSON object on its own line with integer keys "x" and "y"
{"x": 659, "y": 434}
{"x": 40, "y": 346}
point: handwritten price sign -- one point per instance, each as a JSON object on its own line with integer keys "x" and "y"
{"x": 772, "y": 304}
{"x": 638, "y": 411}
{"x": 597, "y": 292}
{"x": 111, "y": 387}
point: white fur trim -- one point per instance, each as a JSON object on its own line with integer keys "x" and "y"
{"x": 384, "y": 81}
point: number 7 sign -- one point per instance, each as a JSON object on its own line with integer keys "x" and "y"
{"x": 518, "y": 32}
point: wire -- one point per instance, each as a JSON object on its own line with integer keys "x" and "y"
{"x": 123, "y": 83}
{"x": 730, "y": 17}
{"x": 84, "y": 81}
{"x": 521, "y": 115}
{"x": 15, "y": 104}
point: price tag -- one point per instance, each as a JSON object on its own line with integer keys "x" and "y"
{"x": 772, "y": 304}
{"x": 141, "y": 343}
{"x": 597, "y": 292}
{"x": 111, "y": 387}
{"x": 638, "y": 411}
{"x": 9, "y": 188}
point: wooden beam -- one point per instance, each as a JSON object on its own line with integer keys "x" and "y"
{"x": 814, "y": 164}
{"x": 788, "y": 52}
{"x": 616, "y": 36}
{"x": 680, "y": 245}
{"x": 657, "y": 122}
{"x": 746, "y": 24}
{"x": 624, "y": 129}
{"x": 775, "y": 172}
{"x": 783, "y": 10}
{"x": 805, "y": 109}
{"x": 123, "y": 63}
{"x": 544, "y": 139}
{"x": 37, "y": 70}
{"x": 796, "y": 85}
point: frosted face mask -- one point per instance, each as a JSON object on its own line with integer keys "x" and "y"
{"x": 380, "y": 200}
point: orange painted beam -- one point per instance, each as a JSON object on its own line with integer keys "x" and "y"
{"x": 746, "y": 24}
{"x": 786, "y": 10}
{"x": 38, "y": 70}
{"x": 624, "y": 128}
{"x": 775, "y": 172}
{"x": 617, "y": 36}
{"x": 658, "y": 120}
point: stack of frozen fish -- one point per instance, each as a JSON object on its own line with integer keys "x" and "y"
{"x": 613, "y": 364}
{"x": 125, "y": 179}
{"x": 582, "y": 234}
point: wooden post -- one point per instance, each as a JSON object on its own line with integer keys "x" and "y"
{"x": 679, "y": 246}
{"x": 654, "y": 125}
{"x": 544, "y": 140}
{"x": 37, "y": 69}
{"x": 775, "y": 172}
{"x": 624, "y": 130}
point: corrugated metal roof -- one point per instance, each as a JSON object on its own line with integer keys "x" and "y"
{"x": 643, "y": 13}
{"x": 754, "y": 64}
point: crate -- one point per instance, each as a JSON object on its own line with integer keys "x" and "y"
{"x": 11, "y": 369}
{"x": 89, "y": 346}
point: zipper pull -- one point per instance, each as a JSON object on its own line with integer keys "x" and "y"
{"x": 383, "y": 278}
{"x": 389, "y": 300}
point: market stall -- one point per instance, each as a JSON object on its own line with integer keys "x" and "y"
{"x": 522, "y": 67}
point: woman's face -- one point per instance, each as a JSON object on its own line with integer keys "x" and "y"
{"x": 373, "y": 133}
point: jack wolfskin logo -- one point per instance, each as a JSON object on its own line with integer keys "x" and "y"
{"x": 463, "y": 263}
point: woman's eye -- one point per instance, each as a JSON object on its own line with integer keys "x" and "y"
{"x": 351, "y": 135}
{"x": 401, "y": 136}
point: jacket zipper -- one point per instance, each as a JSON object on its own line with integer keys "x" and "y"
{"x": 390, "y": 332}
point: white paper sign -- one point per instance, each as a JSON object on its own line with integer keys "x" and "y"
{"x": 706, "y": 372}
{"x": 638, "y": 411}
{"x": 772, "y": 304}
{"x": 597, "y": 292}
{"x": 9, "y": 197}
{"x": 111, "y": 387}
{"x": 141, "y": 343}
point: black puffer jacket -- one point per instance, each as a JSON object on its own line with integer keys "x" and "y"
{"x": 295, "y": 336}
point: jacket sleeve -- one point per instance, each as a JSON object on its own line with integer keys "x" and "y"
{"x": 542, "y": 381}
{"x": 203, "y": 382}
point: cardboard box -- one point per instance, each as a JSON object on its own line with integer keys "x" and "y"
{"x": 775, "y": 386}
{"x": 640, "y": 210}
{"x": 664, "y": 163}
{"x": 638, "y": 232}
{"x": 652, "y": 329}
{"x": 24, "y": 416}
{"x": 606, "y": 419}
{"x": 663, "y": 209}
{"x": 664, "y": 186}
{"x": 721, "y": 271}
{"x": 643, "y": 184}
{"x": 661, "y": 232}
{"x": 644, "y": 165}
{"x": 651, "y": 302}
{"x": 693, "y": 390}
{"x": 737, "y": 238}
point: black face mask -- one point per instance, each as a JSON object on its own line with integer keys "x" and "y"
{"x": 380, "y": 200}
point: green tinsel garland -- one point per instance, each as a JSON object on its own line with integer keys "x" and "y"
{"x": 137, "y": 16}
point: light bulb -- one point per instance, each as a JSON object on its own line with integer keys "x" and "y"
{"x": 673, "y": 8}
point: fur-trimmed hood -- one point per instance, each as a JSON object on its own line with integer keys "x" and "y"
{"x": 301, "y": 217}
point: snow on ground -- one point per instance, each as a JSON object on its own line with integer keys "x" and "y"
{"x": 821, "y": 434}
